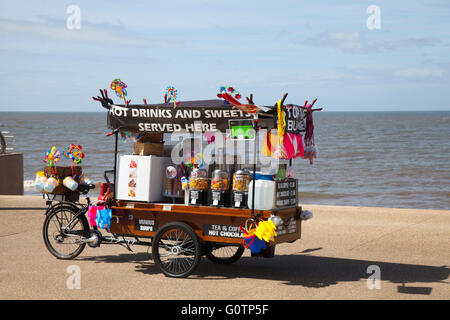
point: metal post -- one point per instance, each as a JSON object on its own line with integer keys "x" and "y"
{"x": 115, "y": 164}
{"x": 255, "y": 127}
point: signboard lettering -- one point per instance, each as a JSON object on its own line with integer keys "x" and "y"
{"x": 217, "y": 230}
{"x": 145, "y": 225}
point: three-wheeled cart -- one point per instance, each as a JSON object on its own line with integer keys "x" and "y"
{"x": 179, "y": 231}
{"x": 182, "y": 234}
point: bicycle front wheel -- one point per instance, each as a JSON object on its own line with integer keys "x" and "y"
{"x": 62, "y": 239}
{"x": 176, "y": 250}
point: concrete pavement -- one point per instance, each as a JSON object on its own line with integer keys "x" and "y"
{"x": 341, "y": 249}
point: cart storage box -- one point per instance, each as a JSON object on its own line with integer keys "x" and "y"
{"x": 155, "y": 137}
{"x": 141, "y": 178}
{"x": 60, "y": 172}
{"x": 148, "y": 148}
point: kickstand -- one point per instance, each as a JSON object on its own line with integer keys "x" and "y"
{"x": 126, "y": 243}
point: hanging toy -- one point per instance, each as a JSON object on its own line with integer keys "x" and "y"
{"x": 310, "y": 147}
{"x": 230, "y": 91}
{"x": 125, "y": 135}
{"x": 171, "y": 93}
{"x": 280, "y": 152}
{"x": 266, "y": 231}
{"x": 250, "y": 240}
{"x": 232, "y": 96}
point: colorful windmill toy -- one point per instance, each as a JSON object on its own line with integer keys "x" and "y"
{"x": 74, "y": 153}
{"x": 51, "y": 157}
{"x": 119, "y": 88}
{"x": 171, "y": 93}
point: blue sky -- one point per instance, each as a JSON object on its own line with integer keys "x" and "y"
{"x": 309, "y": 49}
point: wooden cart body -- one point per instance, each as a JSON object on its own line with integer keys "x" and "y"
{"x": 211, "y": 224}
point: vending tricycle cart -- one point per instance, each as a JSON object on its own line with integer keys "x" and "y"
{"x": 152, "y": 202}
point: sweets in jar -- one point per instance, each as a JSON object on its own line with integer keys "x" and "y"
{"x": 241, "y": 180}
{"x": 70, "y": 183}
{"x": 51, "y": 184}
{"x": 220, "y": 180}
{"x": 198, "y": 184}
{"x": 40, "y": 181}
{"x": 198, "y": 180}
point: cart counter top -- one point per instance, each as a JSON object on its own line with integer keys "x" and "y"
{"x": 214, "y": 224}
{"x": 206, "y": 210}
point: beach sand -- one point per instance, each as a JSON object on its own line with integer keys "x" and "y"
{"x": 339, "y": 249}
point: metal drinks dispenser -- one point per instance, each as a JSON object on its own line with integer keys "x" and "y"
{"x": 241, "y": 180}
{"x": 198, "y": 186}
{"x": 220, "y": 184}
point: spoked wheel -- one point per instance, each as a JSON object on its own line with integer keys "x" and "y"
{"x": 224, "y": 254}
{"x": 61, "y": 239}
{"x": 176, "y": 250}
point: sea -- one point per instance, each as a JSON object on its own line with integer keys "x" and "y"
{"x": 376, "y": 159}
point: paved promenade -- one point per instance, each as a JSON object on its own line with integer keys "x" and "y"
{"x": 341, "y": 247}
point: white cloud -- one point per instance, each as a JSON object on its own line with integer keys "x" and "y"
{"x": 356, "y": 42}
{"x": 88, "y": 34}
{"x": 418, "y": 72}
{"x": 345, "y": 41}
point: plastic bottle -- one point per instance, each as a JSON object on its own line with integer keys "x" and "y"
{"x": 264, "y": 195}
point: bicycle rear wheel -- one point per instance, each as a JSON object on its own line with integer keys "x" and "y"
{"x": 63, "y": 240}
{"x": 224, "y": 254}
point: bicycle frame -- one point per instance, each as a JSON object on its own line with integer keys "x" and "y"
{"x": 65, "y": 228}
{"x": 79, "y": 208}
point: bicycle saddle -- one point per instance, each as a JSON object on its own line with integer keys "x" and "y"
{"x": 84, "y": 188}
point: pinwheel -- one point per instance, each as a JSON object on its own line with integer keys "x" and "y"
{"x": 74, "y": 153}
{"x": 51, "y": 157}
{"x": 171, "y": 93}
{"x": 119, "y": 88}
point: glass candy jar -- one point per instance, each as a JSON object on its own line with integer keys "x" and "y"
{"x": 241, "y": 180}
{"x": 220, "y": 180}
{"x": 198, "y": 180}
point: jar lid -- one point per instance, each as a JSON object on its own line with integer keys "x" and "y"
{"x": 198, "y": 173}
{"x": 243, "y": 172}
{"x": 220, "y": 173}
